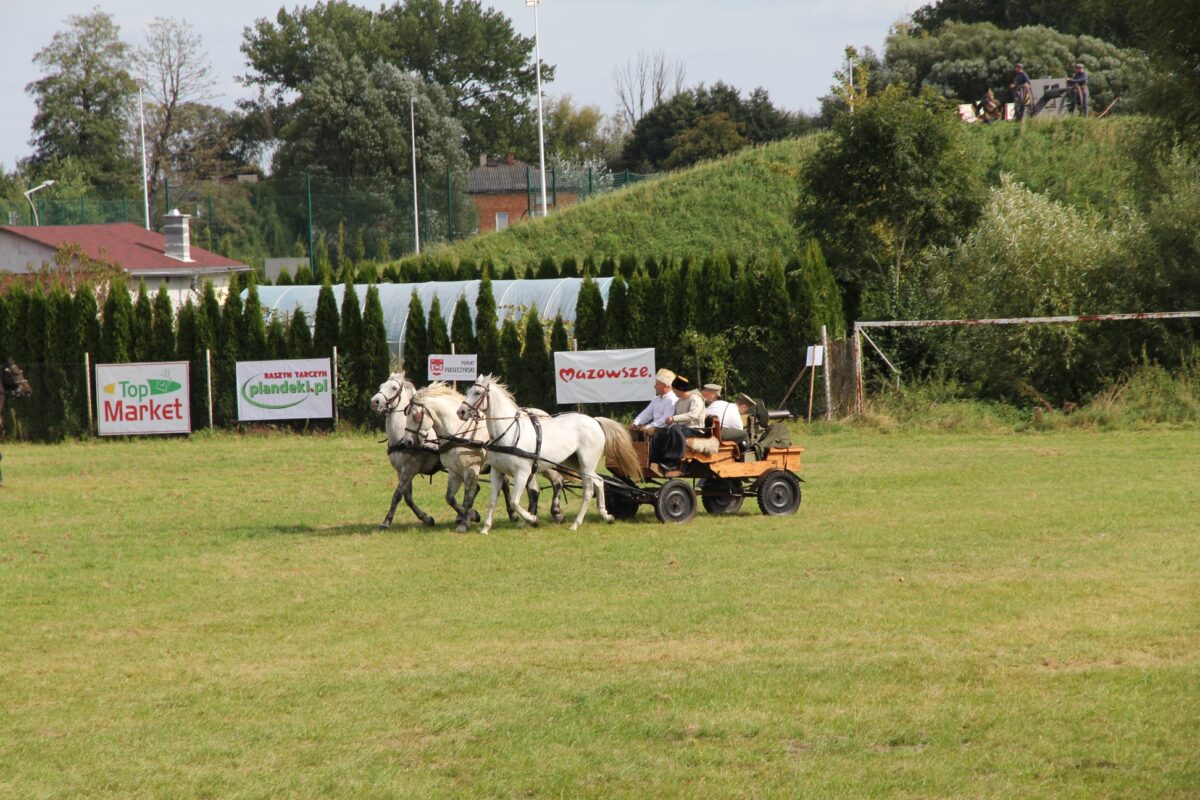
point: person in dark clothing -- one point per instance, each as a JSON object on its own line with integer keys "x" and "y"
{"x": 668, "y": 446}
{"x": 1079, "y": 90}
{"x": 1022, "y": 91}
{"x": 988, "y": 109}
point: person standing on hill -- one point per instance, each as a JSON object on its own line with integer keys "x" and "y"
{"x": 1022, "y": 91}
{"x": 1079, "y": 86}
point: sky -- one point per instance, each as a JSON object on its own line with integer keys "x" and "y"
{"x": 789, "y": 47}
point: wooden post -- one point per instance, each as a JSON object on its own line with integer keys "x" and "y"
{"x": 208, "y": 382}
{"x": 812, "y": 382}
{"x": 828, "y": 387}
{"x": 87, "y": 371}
{"x": 858, "y": 371}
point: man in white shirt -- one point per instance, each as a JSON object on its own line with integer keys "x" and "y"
{"x": 727, "y": 413}
{"x": 662, "y": 406}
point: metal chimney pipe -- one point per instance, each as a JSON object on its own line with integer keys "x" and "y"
{"x": 177, "y": 235}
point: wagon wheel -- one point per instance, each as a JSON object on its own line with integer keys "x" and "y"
{"x": 619, "y": 502}
{"x": 728, "y": 503}
{"x": 779, "y": 493}
{"x": 676, "y": 502}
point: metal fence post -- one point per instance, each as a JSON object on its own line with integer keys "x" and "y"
{"x": 208, "y": 383}
{"x": 334, "y": 365}
{"x": 312, "y": 264}
{"x": 87, "y": 372}
{"x": 826, "y": 374}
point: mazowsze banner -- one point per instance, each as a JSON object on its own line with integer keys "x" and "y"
{"x": 143, "y": 398}
{"x": 604, "y": 376}
{"x": 451, "y": 367}
{"x": 285, "y": 389}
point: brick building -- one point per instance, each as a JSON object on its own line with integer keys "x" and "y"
{"x": 506, "y": 191}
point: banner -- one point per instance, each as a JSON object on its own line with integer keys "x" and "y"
{"x": 285, "y": 389}
{"x": 604, "y": 376}
{"x": 143, "y": 398}
{"x": 815, "y": 356}
{"x": 451, "y": 367}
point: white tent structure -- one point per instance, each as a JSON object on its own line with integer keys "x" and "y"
{"x": 513, "y": 300}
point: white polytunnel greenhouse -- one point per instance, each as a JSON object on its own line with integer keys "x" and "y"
{"x": 513, "y": 299}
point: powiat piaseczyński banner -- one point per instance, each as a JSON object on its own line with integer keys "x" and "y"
{"x": 604, "y": 376}
{"x": 144, "y": 398}
{"x": 285, "y": 389}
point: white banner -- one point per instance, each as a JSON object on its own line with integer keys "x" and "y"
{"x": 815, "y": 356}
{"x": 451, "y": 367}
{"x": 143, "y": 398}
{"x": 286, "y": 389}
{"x": 604, "y": 376}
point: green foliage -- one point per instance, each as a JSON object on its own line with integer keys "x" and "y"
{"x": 300, "y": 343}
{"x": 225, "y": 360}
{"x": 326, "y": 324}
{"x": 416, "y": 339}
{"x": 143, "y": 326}
{"x": 617, "y": 333}
{"x": 893, "y": 179}
{"x": 352, "y": 378}
{"x": 589, "y": 317}
{"x": 1105, "y": 19}
{"x": 162, "y": 346}
{"x": 487, "y": 336}
{"x": 462, "y": 336}
{"x": 277, "y": 339}
{"x": 117, "y": 334}
{"x": 713, "y": 136}
{"x": 377, "y": 358}
{"x": 559, "y": 341}
{"x": 87, "y": 322}
{"x": 84, "y": 101}
{"x": 438, "y": 336}
{"x": 252, "y": 331}
{"x": 535, "y": 378}
{"x": 510, "y": 353}
{"x": 194, "y": 336}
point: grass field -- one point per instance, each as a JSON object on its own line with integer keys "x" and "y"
{"x": 948, "y": 615}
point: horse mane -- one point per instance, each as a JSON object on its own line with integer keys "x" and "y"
{"x": 435, "y": 390}
{"x": 504, "y": 391}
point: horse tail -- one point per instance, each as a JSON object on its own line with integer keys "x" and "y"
{"x": 618, "y": 447}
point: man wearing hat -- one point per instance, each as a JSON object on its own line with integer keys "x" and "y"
{"x": 1079, "y": 86}
{"x": 725, "y": 412}
{"x": 667, "y": 447}
{"x": 662, "y": 406}
{"x": 1022, "y": 91}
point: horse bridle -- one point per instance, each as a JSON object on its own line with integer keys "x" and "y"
{"x": 392, "y": 405}
{"x": 476, "y": 409}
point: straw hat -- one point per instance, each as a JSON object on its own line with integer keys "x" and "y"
{"x": 664, "y": 375}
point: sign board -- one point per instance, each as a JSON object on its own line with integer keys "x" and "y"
{"x": 143, "y": 398}
{"x": 604, "y": 376}
{"x": 815, "y": 356}
{"x": 451, "y": 367}
{"x": 285, "y": 389}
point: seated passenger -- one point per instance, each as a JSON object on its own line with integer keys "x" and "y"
{"x": 662, "y": 406}
{"x": 667, "y": 447}
{"x": 727, "y": 413}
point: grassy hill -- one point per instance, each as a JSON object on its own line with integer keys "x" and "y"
{"x": 743, "y": 204}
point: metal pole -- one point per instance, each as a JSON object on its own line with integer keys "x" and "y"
{"x": 145, "y": 179}
{"x": 858, "y": 371}
{"x": 312, "y": 264}
{"x": 87, "y": 372}
{"x": 335, "y": 387}
{"x": 828, "y": 387}
{"x": 537, "y": 56}
{"x": 208, "y": 383}
{"x": 449, "y": 207}
{"x": 412, "y": 126}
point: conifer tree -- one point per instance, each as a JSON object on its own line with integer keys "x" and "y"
{"x": 31, "y": 332}
{"x": 117, "y": 331}
{"x": 15, "y": 333}
{"x": 589, "y": 316}
{"x": 225, "y": 361}
{"x": 637, "y": 295}
{"x": 608, "y": 267}
{"x": 628, "y": 266}
{"x": 535, "y": 373}
{"x": 559, "y": 342}
{"x": 377, "y": 358}
{"x": 63, "y": 362}
{"x": 326, "y": 323}
{"x": 569, "y": 268}
{"x": 277, "y": 343}
{"x": 142, "y": 329}
{"x": 509, "y": 273}
{"x": 300, "y": 343}
{"x": 304, "y": 277}
{"x": 510, "y": 353}
{"x": 616, "y": 315}
{"x": 210, "y": 309}
{"x": 487, "y": 334}
{"x": 87, "y": 322}
{"x": 284, "y": 278}
{"x": 668, "y": 322}
{"x": 4, "y": 323}
{"x": 462, "y": 336}
{"x": 163, "y": 326}
{"x": 718, "y": 298}
{"x": 435, "y": 332}
{"x": 350, "y": 357}
{"x": 468, "y": 270}
{"x": 193, "y": 338}
{"x": 416, "y": 340}
{"x": 252, "y": 331}
{"x": 651, "y": 267}
{"x": 547, "y": 269}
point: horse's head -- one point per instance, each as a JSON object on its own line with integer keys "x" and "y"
{"x": 391, "y": 394}
{"x": 413, "y": 425}
{"x": 14, "y": 380}
{"x": 476, "y": 399}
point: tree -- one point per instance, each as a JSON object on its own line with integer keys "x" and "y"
{"x": 468, "y": 49}
{"x": 85, "y": 101}
{"x": 350, "y": 356}
{"x": 536, "y": 379}
{"x": 87, "y": 322}
{"x": 1117, "y": 22}
{"x": 300, "y": 344}
{"x": 416, "y": 339}
{"x": 510, "y": 354}
{"x": 589, "y": 316}
{"x": 252, "y": 331}
{"x": 713, "y": 136}
{"x": 487, "y": 337}
{"x": 616, "y": 316}
{"x": 142, "y": 326}
{"x": 574, "y": 133}
{"x": 226, "y": 358}
{"x": 377, "y": 359}
{"x": 194, "y": 338}
{"x": 559, "y": 342}
{"x": 892, "y": 178}
{"x": 462, "y": 336}
{"x": 645, "y": 83}
{"x": 1172, "y": 38}
{"x": 437, "y": 336}
{"x": 326, "y": 323}
{"x": 162, "y": 347}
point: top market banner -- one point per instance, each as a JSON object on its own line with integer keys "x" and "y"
{"x": 143, "y": 398}
{"x": 284, "y": 389}
{"x": 604, "y": 376}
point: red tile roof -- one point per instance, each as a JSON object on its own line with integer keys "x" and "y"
{"x": 129, "y": 246}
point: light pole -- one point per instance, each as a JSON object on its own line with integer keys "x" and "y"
{"x": 28, "y": 196}
{"x": 537, "y": 57}
{"x": 412, "y": 126}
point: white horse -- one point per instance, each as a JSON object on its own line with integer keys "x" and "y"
{"x": 438, "y": 402}
{"x": 392, "y": 399}
{"x": 574, "y": 441}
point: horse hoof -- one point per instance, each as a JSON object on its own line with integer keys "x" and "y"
{"x": 383, "y": 526}
{"x": 429, "y": 522}
{"x": 475, "y": 516}
{"x": 610, "y": 519}
{"x": 460, "y": 528}
{"x": 559, "y": 519}
{"x": 484, "y": 531}
{"x": 575, "y": 527}
{"x": 514, "y": 517}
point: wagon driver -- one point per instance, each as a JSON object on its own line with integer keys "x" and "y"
{"x": 662, "y": 406}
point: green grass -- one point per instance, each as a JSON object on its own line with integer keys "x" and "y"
{"x": 948, "y": 615}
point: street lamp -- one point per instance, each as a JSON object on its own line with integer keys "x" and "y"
{"x": 412, "y": 127}
{"x": 537, "y": 57}
{"x": 28, "y": 196}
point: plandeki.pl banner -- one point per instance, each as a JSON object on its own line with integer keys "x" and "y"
{"x": 287, "y": 389}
